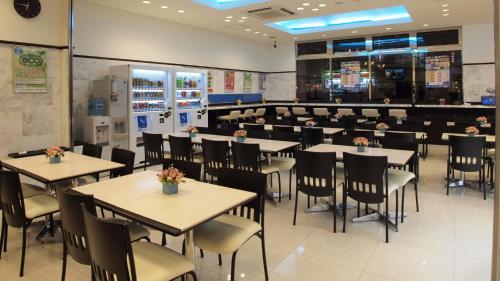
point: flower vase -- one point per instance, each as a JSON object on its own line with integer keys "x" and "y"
{"x": 361, "y": 148}
{"x": 382, "y": 131}
{"x": 54, "y": 160}
{"x": 170, "y": 188}
{"x": 192, "y": 135}
{"x": 240, "y": 139}
{"x": 470, "y": 135}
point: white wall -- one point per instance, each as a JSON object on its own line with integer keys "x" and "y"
{"x": 104, "y": 32}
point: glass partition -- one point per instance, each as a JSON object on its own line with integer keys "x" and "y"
{"x": 392, "y": 76}
{"x": 313, "y": 80}
{"x": 350, "y": 78}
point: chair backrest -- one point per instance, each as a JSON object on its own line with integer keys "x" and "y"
{"x": 281, "y": 110}
{"x": 369, "y": 135}
{"x": 370, "y": 112}
{"x": 246, "y": 156}
{"x": 153, "y": 148}
{"x": 282, "y": 136}
{"x": 253, "y": 127}
{"x": 349, "y": 123}
{"x": 235, "y": 114}
{"x": 465, "y": 153}
{"x": 73, "y": 228}
{"x": 366, "y": 177}
{"x": 125, "y": 157}
{"x": 417, "y": 125}
{"x": 11, "y": 197}
{"x": 311, "y": 136}
{"x": 283, "y": 129}
{"x": 258, "y": 134}
{"x": 215, "y": 155}
{"x": 259, "y": 112}
{"x": 181, "y": 148}
{"x": 321, "y": 111}
{"x": 409, "y": 137}
{"x": 248, "y": 181}
{"x": 316, "y": 180}
{"x": 343, "y": 140}
{"x": 299, "y": 110}
{"x": 248, "y": 113}
{"x": 190, "y": 169}
{"x": 345, "y": 111}
{"x": 110, "y": 248}
{"x": 368, "y": 126}
{"x": 92, "y": 150}
{"x": 398, "y": 113}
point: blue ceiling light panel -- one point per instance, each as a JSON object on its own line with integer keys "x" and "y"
{"x": 357, "y": 19}
{"x": 228, "y": 4}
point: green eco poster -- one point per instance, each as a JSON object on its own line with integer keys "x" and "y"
{"x": 247, "y": 82}
{"x": 30, "y": 70}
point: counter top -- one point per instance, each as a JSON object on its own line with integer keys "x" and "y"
{"x": 368, "y": 105}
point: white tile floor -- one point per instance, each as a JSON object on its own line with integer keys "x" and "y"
{"x": 449, "y": 239}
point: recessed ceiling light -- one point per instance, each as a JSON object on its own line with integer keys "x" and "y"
{"x": 354, "y": 31}
{"x": 446, "y": 10}
{"x": 265, "y": 34}
{"x": 244, "y": 18}
{"x": 315, "y": 9}
{"x": 445, "y": 15}
{"x": 181, "y": 11}
{"x": 445, "y": 5}
{"x": 241, "y": 20}
{"x": 295, "y": 38}
{"x": 323, "y": 35}
{"x": 425, "y": 25}
{"x": 229, "y": 17}
{"x": 305, "y": 4}
{"x": 257, "y": 32}
{"x": 146, "y": 2}
{"x": 248, "y": 29}
{"x": 227, "y": 20}
{"x": 164, "y": 7}
{"x": 300, "y": 8}
{"x": 322, "y": 5}
{"x": 388, "y": 28}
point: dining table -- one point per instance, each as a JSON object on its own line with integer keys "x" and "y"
{"x": 298, "y": 129}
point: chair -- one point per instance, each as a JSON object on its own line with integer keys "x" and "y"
{"x": 280, "y": 111}
{"x": 228, "y": 232}
{"x": 260, "y": 112}
{"x": 311, "y": 136}
{"x": 29, "y": 190}
{"x": 345, "y": 112}
{"x": 369, "y": 135}
{"x": 316, "y": 180}
{"x": 19, "y": 212}
{"x": 181, "y": 148}
{"x": 73, "y": 230}
{"x": 253, "y": 127}
{"x": 283, "y": 129}
{"x": 258, "y": 134}
{"x": 247, "y": 114}
{"x": 125, "y": 157}
{"x": 343, "y": 140}
{"x": 90, "y": 150}
{"x": 190, "y": 169}
{"x": 215, "y": 156}
{"x": 350, "y": 123}
{"x": 370, "y": 113}
{"x": 154, "y": 153}
{"x": 398, "y": 113}
{"x": 465, "y": 154}
{"x": 114, "y": 257}
{"x": 321, "y": 112}
{"x": 232, "y": 116}
{"x": 407, "y": 137}
{"x": 299, "y": 111}
{"x": 368, "y": 126}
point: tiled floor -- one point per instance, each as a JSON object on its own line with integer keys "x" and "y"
{"x": 449, "y": 239}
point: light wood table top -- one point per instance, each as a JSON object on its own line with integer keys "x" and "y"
{"x": 482, "y": 125}
{"x": 394, "y": 156}
{"x": 266, "y": 145}
{"x": 297, "y": 129}
{"x": 139, "y": 196}
{"x": 446, "y": 137}
{"x": 72, "y": 165}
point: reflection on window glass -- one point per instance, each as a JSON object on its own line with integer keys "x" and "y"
{"x": 313, "y": 80}
{"x": 392, "y": 76}
{"x": 350, "y": 78}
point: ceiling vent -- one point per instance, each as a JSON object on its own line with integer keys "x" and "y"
{"x": 271, "y": 13}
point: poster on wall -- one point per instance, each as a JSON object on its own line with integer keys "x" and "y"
{"x": 437, "y": 72}
{"x": 262, "y": 81}
{"x": 210, "y": 82}
{"x": 350, "y": 74}
{"x": 247, "y": 82}
{"x": 229, "y": 81}
{"x": 30, "y": 70}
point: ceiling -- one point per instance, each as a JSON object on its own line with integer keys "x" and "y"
{"x": 426, "y": 14}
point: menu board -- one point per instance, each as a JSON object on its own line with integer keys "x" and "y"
{"x": 30, "y": 70}
{"x": 350, "y": 74}
{"x": 437, "y": 72}
{"x": 229, "y": 81}
{"x": 210, "y": 82}
{"x": 247, "y": 82}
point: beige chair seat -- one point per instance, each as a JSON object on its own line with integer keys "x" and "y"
{"x": 282, "y": 164}
{"x": 345, "y": 111}
{"x": 321, "y": 111}
{"x": 491, "y": 153}
{"x": 233, "y": 115}
{"x": 370, "y": 113}
{"x": 136, "y": 230}
{"x": 260, "y": 112}
{"x": 40, "y": 205}
{"x": 30, "y": 190}
{"x": 156, "y": 263}
{"x": 225, "y": 234}
{"x": 398, "y": 178}
{"x": 266, "y": 169}
{"x": 299, "y": 111}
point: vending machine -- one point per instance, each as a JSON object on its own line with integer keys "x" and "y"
{"x": 150, "y": 103}
{"x": 190, "y": 99}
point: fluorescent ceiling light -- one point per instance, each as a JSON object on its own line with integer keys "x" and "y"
{"x": 228, "y": 4}
{"x": 357, "y": 19}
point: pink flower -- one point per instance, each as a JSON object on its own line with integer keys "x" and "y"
{"x": 472, "y": 130}
{"x": 360, "y": 141}
{"x": 240, "y": 134}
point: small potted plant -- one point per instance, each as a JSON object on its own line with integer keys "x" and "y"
{"x": 482, "y": 119}
{"x": 361, "y": 143}
{"x": 170, "y": 179}
{"x": 382, "y": 127}
{"x": 296, "y": 100}
{"x": 442, "y": 101}
{"x": 54, "y": 154}
{"x": 471, "y": 131}
{"x": 238, "y": 102}
{"x": 310, "y": 123}
{"x": 260, "y": 121}
{"x": 387, "y": 100}
{"x": 240, "y": 135}
{"x": 192, "y": 130}
{"x": 338, "y": 100}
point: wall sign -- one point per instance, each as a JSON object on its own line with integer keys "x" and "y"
{"x": 262, "y": 81}
{"x": 210, "y": 82}
{"x": 247, "y": 82}
{"x": 350, "y": 74}
{"x": 229, "y": 81}
{"x": 437, "y": 71}
{"x": 30, "y": 70}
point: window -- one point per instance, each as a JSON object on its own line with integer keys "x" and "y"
{"x": 349, "y": 45}
{"x": 391, "y": 41}
{"x": 433, "y": 38}
{"x": 311, "y": 48}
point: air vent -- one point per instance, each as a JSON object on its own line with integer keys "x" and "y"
{"x": 271, "y": 13}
